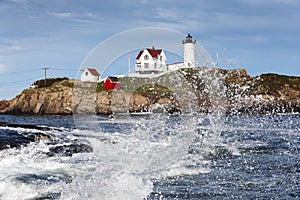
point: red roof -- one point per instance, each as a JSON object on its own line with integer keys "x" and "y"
{"x": 153, "y": 52}
{"x": 93, "y": 71}
{"x": 139, "y": 55}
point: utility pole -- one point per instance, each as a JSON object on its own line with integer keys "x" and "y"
{"x": 128, "y": 64}
{"x": 45, "y": 72}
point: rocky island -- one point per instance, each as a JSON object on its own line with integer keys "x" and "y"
{"x": 207, "y": 89}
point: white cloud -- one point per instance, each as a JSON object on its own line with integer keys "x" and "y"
{"x": 169, "y": 14}
{"x": 62, "y": 14}
{"x": 19, "y": 1}
{"x": 87, "y": 18}
{"x": 3, "y": 68}
{"x": 72, "y": 15}
{"x": 8, "y": 46}
{"x": 15, "y": 48}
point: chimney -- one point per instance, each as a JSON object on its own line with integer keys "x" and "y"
{"x": 153, "y": 47}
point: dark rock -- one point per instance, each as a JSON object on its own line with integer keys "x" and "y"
{"x": 69, "y": 150}
{"x": 13, "y": 139}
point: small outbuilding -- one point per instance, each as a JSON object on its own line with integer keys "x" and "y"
{"x": 90, "y": 75}
{"x": 112, "y": 83}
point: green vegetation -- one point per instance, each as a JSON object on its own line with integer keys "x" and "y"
{"x": 100, "y": 86}
{"x": 67, "y": 83}
{"x": 237, "y": 82}
{"x": 154, "y": 92}
{"x": 272, "y": 83}
{"x": 131, "y": 84}
{"x": 48, "y": 83}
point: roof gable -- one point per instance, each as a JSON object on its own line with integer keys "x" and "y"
{"x": 139, "y": 55}
{"x": 93, "y": 71}
{"x": 153, "y": 52}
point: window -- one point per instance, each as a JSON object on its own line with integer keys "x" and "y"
{"x": 86, "y": 73}
{"x": 155, "y": 65}
{"x": 146, "y": 65}
{"x": 160, "y": 58}
{"x": 146, "y": 57}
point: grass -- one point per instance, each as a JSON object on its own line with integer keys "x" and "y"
{"x": 67, "y": 83}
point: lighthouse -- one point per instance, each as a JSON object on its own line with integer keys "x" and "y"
{"x": 189, "y": 51}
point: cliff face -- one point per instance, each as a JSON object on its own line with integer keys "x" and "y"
{"x": 238, "y": 93}
{"x": 58, "y": 100}
{"x": 3, "y": 104}
{"x": 267, "y": 93}
{"x": 53, "y": 100}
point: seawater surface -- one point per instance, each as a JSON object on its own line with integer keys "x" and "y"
{"x": 150, "y": 157}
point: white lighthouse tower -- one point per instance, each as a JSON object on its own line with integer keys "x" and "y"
{"x": 189, "y": 51}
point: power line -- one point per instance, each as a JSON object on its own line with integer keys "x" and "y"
{"x": 18, "y": 82}
{"x": 19, "y": 72}
{"x": 57, "y": 69}
{"x": 33, "y": 70}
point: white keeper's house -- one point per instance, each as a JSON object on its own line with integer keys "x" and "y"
{"x": 151, "y": 61}
{"x": 90, "y": 75}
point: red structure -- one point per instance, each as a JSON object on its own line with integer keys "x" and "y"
{"x": 153, "y": 52}
{"x": 112, "y": 83}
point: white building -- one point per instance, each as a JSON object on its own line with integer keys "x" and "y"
{"x": 90, "y": 75}
{"x": 176, "y": 66}
{"x": 151, "y": 61}
{"x": 189, "y": 51}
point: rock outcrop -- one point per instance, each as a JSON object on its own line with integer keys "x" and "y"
{"x": 54, "y": 100}
{"x": 236, "y": 93}
{"x": 4, "y": 104}
{"x": 267, "y": 93}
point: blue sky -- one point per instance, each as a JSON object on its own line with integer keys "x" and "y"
{"x": 260, "y": 36}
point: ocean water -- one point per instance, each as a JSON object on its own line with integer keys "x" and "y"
{"x": 150, "y": 157}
